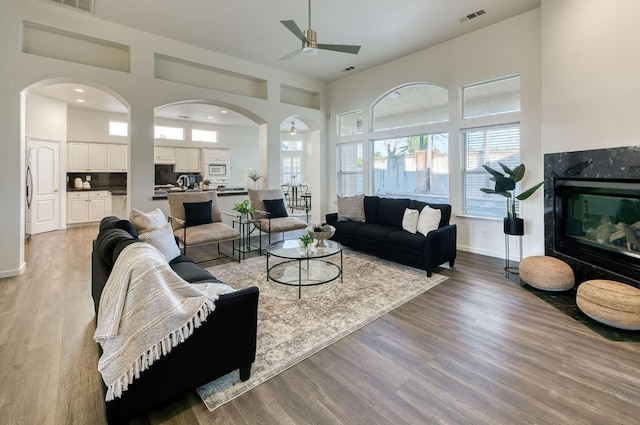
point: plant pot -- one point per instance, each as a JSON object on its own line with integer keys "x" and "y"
{"x": 513, "y": 226}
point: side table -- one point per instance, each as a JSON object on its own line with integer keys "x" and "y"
{"x": 244, "y": 225}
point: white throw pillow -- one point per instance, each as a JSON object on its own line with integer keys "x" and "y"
{"x": 410, "y": 220}
{"x": 162, "y": 238}
{"x": 429, "y": 220}
{"x": 351, "y": 208}
{"x": 146, "y": 222}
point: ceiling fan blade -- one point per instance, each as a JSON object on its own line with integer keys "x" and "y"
{"x": 291, "y": 26}
{"x": 344, "y": 48}
{"x": 290, "y": 55}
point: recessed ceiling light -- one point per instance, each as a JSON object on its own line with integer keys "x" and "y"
{"x": 80, "y": 100}
{"x": 210, "y": 118}
{"x": 78, "y": 90}
{"x": 223, "y": 111}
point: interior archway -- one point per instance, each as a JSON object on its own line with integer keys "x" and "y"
{"x": 299, "y": 145}
{"x": 70, "y": 110}
{"x": 209, "y": 126}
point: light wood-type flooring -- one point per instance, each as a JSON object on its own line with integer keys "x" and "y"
{"x": 476, "y": 349}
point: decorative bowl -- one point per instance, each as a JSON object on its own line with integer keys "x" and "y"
{"x": 320, "y": 236}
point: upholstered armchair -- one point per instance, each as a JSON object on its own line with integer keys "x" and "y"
{"x": 196, "y": 219}
{"x": 270, "y": 215}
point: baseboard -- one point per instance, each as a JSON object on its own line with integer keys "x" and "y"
{"x": 489, "y": 253}
{"x": 15, "y": 272}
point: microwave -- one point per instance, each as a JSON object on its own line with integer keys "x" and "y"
{"x": 217, "y": 170}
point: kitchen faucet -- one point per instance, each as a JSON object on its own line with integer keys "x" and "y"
{"x": 183, "y": 181}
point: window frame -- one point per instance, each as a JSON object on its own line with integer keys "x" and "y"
{"x": 500, "y": 210}
{"x": 341, "y": 172}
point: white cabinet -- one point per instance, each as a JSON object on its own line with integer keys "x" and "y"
{"x": 164, "y": 155}
{"x": 96, "y": 157}
{"x": 85, "y": 207}
{"x": 217, "y": 155}
{"x": 77, "y": 157}
{"x": 117, "y": 158}
{"x": 187, "y": 160}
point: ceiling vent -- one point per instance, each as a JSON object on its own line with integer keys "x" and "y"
{"x": 86, "y": 5}
{"x": 472, "y": 15}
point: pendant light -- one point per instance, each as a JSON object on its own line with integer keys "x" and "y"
{"x": 294, "y": 130}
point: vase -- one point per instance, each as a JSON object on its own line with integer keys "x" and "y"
{"x": 513, "y": 226}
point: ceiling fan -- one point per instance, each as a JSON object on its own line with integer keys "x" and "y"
{"x": 309, "y": 40}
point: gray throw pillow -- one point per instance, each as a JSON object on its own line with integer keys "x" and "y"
{"x": 351, "y": 208}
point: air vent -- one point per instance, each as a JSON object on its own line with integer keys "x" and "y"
{"x": 86, "y": 5}
{"x": 472, "y": 15}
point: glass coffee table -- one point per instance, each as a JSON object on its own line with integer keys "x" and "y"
{"x": 303, "y": 267}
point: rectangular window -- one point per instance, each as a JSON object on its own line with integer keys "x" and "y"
{"x": 491, "y": 98}
{"x": 291, "y": 169}
{"x": 350, "y": 173}
{"x": 170, "y": 133}
{"x": 350, "y": 123}
{"x": 118, "y": 128}
{"x": 488, "y": 146}
{"x": 416, "y": 167}
{"x": 292, "y": 146}
{"x": 204, "y": 136}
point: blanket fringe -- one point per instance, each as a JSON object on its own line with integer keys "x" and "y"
{"x": 162, "y": 348}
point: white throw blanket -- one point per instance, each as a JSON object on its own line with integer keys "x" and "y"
{"x": 145, "y": 310}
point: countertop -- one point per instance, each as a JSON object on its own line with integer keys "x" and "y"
{"x": 162, "y": 194}
{"x": 115, "y": 191}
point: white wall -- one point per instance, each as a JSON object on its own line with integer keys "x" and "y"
{"x": 87, "y": 125}
{"x": 508, "y": 47}
{"x": 136, "y": 89}
{"x": 590, "y": 74}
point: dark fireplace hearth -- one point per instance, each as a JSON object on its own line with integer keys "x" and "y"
{"x": 592, "y": 212}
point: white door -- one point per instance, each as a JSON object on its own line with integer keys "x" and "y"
{"x": 44, "y": 162}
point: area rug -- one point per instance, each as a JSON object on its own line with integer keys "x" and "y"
{"x": 292, "y": 329}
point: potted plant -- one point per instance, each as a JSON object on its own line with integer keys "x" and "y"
{"x": 305, "y": 240}
{"x": 254, "y": 175}
{"x": 244, "y": 208}
{"x": 505, "y": 185}
{"x": 206, "y": 183}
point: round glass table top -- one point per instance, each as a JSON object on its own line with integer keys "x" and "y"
{"x": 293, "y": 249}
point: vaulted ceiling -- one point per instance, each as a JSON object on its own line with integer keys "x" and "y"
{"x": 251, "y": 29}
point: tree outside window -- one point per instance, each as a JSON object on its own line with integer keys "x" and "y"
{"x": 412, "y": 166}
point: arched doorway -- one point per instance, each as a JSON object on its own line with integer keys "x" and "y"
{"x": 222, "y": 141}
{"x": 300, "y": 151}
{"x": 68, "y": 119}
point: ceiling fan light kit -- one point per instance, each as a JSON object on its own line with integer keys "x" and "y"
{"x": 309, "y": 40}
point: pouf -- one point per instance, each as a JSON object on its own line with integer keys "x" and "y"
{"x": 546, "y": 273}
{"x": 612, "y": 303}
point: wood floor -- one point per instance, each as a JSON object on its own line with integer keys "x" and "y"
{"x": 476, "y": 349}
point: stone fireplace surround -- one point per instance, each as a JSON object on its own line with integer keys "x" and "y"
{"x": 621, "y": 163}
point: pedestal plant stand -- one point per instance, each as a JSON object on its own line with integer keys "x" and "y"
{"x": 512, "y": 227}
{"x": 505, "y": 185}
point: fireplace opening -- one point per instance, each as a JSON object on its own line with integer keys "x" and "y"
{"x": 598, "y": 222}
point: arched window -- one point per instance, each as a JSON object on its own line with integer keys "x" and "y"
{"x": 410, "y": 106}
{"x": 414, "y": 161}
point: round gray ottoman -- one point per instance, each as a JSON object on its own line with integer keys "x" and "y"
{"x": 612, "y": 303}
{"x": 546, "y": 273}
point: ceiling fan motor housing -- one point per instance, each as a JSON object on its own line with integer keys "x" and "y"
{"x": 310, "y": 47}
